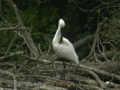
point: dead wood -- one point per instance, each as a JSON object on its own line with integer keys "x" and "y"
{"x": 11, "y": 54}
{"x": 100, "y": 74}
{"x": 25, "y": 34}
{"x": 92, "y": 79}
{"x": 103, "y": 73}
{"x": 87, "y": 39}
{"x": 28, "y": 85}
{"x": 12, "y": 28}
{"x": 13, "y": 77}
{"x": 107, "y": 54}
{"x": 38, "y": 73}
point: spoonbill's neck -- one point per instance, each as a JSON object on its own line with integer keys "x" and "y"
{"x": 58, "y": 36}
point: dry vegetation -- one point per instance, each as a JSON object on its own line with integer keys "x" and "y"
{"x": 39, "y": 70}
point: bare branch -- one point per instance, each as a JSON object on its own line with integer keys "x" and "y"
{"x": 25, "y": 35}
{"x": 98, "y": 71}
{"x": 12, "y": 75}
{"x": 11, "y": 54}
{"x": 15, "y": 28}
{"x": 17, "y": 13}
{"x": 83, "y": 41}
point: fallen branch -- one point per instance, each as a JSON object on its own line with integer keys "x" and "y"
{"x": 96, "y": 77}
{"x": 15, "y": 28}
{"x": 13, "y": 76}
{"x": 28, "y": 85}
{"x": 102, "y": 74}
{"x": 11, "y": 54}
{"x": 89, "y": 87}
{"x": 87, "y": 39}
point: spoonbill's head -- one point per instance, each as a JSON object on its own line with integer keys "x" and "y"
{"x": 61, "y": 23}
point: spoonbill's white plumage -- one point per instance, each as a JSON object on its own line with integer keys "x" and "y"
{"x": 62, "y": 46}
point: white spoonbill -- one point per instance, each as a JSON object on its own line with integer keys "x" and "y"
{"x": 62, "y": 46}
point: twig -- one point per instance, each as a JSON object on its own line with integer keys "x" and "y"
{"x": 12, "y": 54}
{"x": 103, "y": 73}
{"x": 81, "y": 9}
{"x": 87, "y": 39}
{"x": 25, "y": 34}
{"x": 96, "y": 41}
{"x": 96, "y": 77}
{"x": 15, "y": 28}
{"x": 92, "y": 51}
{"x": 11, "y": 43}
{"x": 107, "y": 54}
{"x": 89, "y": 87}
{"x": 32, "y": 85}
{"x": 12, "y": 75}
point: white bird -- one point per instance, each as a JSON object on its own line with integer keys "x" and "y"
{"x": 62, "y": 46}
